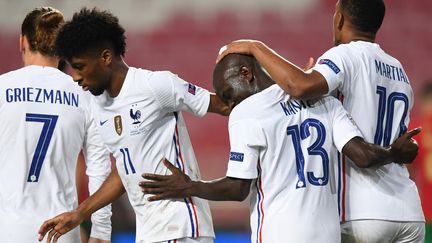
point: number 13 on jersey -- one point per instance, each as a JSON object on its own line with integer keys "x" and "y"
{"x": 302, "y": 132}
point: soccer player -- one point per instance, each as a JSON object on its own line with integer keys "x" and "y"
{"x": 139, "y": 115}
{"x": 46, "y": 122}
{"x": 285, "y": 148}
{"x": 378, "y": 204}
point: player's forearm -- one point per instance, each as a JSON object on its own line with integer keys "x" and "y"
{"x": 377, "y": 155}
{"x": 283, "y": 72}
{"x": 110, "y": 190}
{"x": 292, "y": 79}
{"x": 366, "y": 155}
{"x": 98, "y": 169}
{"x": 223, "y": 189}
{"x": 217, "y": 106}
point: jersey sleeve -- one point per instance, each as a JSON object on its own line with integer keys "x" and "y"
{"x": 247, "y": 140}
{"x": 175, "y": 94}
{"x": 98, "y": 168}
{"x": 335, "y": 66}
{"x": 344, "y": 126}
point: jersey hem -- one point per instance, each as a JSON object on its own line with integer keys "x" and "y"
{"x": 416, "y": 218}
{"x": 175, "y": 236}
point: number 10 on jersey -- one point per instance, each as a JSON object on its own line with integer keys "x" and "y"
{"x": 386, "y": 108}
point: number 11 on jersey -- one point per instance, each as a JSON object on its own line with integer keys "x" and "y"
{"x": 126, "y": 156}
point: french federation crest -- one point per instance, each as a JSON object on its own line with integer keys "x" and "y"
{"x": 118, "y": 124}
{"x": 135, "y": 116}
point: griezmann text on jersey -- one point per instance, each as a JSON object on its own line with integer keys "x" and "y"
{"x": 39, "y": 95}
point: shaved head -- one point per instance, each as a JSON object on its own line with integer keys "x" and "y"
{"x": 237, "y": 77}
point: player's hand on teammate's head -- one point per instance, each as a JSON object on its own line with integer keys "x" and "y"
{"x": 59, "y": 226}
{"x": 405, "y": 148}
{"x": 162, "y": 187}
{"x": 239, "y": 46}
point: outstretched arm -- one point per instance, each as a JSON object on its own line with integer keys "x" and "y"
{"x": 179, "y": 185}
{"x": 98, "y": 164}
{"x": 292, "y": 79}
{"x": 110, "y": 190}
{"x": 364, "y": 154}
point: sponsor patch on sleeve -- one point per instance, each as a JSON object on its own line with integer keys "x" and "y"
{"x": 234, "y": 156}
{"x": 191, "y": 88}
{"x": 330, "y": 64}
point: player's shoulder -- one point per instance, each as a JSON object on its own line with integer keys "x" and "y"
{"x": 253, "y": 106}
{"x": 156, "y": 79}
{"x": 325, "y": 104}
{"x": 364, "y": 49}
{"x": 344, "y": 50}
{"x": 9, "y": 74}
{"x": 14, "y": 74}
{"x": 37, "y": 75}
{"x": 388, "y": 58}
{"x": 328, "y": 101}
{"x": 163, "y": 74}
{"x": 153, "y": 76}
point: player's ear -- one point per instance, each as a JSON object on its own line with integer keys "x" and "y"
{"x": 246, "y": 73}
{"x": 22, "y": 43}
{"x": 106, "y": 56}
{"x": 340, "y": 20}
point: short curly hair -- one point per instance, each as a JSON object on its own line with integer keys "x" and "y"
{"x": 90, "y": 30}
{"x": 364, "y": 15}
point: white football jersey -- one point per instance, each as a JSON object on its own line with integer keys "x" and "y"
{"x": 377, "y": 93}
{"x": 45, "y": 122}
{"x": 289, "y": 147}
{"x": 142, "y": 125}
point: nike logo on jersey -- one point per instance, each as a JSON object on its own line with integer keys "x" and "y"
{"x": 102, "y": 122}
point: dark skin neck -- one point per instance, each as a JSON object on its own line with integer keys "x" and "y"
{"x": 263, "y": 81}
{"x": 350, "y": 33}
{"x": 355, "y": 35}
{"x": 119, "y": 71}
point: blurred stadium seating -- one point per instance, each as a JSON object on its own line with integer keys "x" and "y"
{"x": 185, "y": 36}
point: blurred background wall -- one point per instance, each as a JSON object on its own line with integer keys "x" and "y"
{"x": 184, "y": 36}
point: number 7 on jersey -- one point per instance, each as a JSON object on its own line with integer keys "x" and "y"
{"x": 49, "y": 122}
